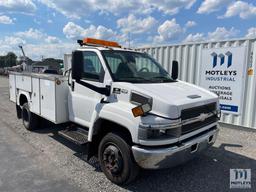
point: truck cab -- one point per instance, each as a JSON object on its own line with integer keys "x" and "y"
{"x": 131, "y": 113}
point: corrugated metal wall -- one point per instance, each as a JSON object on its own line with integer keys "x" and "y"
{"x": 189, "y": 58}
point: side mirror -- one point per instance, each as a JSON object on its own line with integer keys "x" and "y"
{"x": 175, "y": 70}
{"x": 77, "y": 65}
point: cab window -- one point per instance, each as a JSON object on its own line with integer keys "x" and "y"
{"x": 92, "y": 68}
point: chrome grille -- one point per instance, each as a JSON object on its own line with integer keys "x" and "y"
{"x": 197, "y": 125}
{"x": 195, "y": 112}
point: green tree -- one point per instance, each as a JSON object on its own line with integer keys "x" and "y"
{"x": 2, "y": 62}
{"x": 10, "y": 59}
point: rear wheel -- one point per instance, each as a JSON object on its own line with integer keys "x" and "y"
{"x": 18, "y": 111}
{"x": 30, "y": 120}
{"x": 116, "y": 159}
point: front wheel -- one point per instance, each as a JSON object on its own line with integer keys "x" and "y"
{"x": 29, "y": 119}
{"x": 116, "y": 159}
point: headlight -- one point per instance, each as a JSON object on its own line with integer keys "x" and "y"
{"x": 144, "y": 102}
{"x": 166, "y": 131}
{"x": 139, "y": 99}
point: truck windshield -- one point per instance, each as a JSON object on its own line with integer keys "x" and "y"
{"x": 135, "y": 67}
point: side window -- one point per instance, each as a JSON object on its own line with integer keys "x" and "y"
{"x": 113, "y": 63}
{"x": 92, "y": 69}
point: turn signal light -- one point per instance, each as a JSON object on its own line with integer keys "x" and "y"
{"x": 100, "y": 42}
{"x": 141, "y": 110}
{"x": 137, "y": 111}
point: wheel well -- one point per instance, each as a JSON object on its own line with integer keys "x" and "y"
{"x": 23, "y": 99}
{"x": 103, "y": 127}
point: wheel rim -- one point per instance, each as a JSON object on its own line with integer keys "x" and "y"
{"x": 113, "y": 160}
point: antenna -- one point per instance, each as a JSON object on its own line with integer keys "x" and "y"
{"x": 129, "y": 40}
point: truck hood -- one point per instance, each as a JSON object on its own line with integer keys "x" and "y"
{"x": 170, "y": 98}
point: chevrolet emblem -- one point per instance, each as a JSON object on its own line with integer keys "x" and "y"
{"x": 203, "y": 116}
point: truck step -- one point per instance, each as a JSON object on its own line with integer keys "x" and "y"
{"x": 76, "y": 135}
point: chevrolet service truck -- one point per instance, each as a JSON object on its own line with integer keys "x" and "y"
{"x": 123, "y": 106}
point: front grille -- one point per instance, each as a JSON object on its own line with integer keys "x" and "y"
{"x": 198, "y": 125}
{"x": 196, "y": 111}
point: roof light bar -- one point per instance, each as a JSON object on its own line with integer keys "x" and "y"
{"x": 99, "y": 42}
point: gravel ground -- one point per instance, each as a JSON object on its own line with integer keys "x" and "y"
{"x": 235, "y": 148}
{"x": 20, "y": 170}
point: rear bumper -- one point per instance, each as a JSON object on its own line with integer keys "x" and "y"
{"x": 157, "y": 158}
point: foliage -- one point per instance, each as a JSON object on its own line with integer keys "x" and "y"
{"x": 8, "y": 60}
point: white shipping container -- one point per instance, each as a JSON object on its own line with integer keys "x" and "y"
{"x": 189, "y": 56}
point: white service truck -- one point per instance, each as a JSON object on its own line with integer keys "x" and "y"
{"x": 123, "y": 106}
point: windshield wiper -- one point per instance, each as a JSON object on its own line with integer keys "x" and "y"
{"x": 164, "y": 79}
{"x": 135, "y": 79}
{"x": 142, "y": 78}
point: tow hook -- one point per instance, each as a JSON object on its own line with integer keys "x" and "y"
{"x": 194, "y": 148}
{"x": 210, "y": 140}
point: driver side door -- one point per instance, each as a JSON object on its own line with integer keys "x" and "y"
{"x": 82, "y": 100}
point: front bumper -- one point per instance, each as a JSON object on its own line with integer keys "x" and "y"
{"x": 157, "y": 158}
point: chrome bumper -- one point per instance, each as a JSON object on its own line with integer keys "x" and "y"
{"x": 157, "y": 158}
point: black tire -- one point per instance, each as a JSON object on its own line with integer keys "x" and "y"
{"x": 29, "y": 119}
{"x": 18, "y": 112}
{"x": 116, "y": 159}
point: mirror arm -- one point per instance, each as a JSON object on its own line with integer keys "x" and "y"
{"x": 102, "y": 90}
{"x": 103, "y": 101}
{"x": 69, "y": 74}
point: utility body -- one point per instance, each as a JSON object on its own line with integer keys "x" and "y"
{"x": 123, "y": 106}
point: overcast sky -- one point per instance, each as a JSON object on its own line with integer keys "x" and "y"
{"x": 50, "y": 28}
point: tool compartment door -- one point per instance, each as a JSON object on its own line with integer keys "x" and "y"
{"x": 35, "y": 96}
{"x": 23, "y": 82}
{"x": 12, "y": 87}
{"x": 48, "y": 99}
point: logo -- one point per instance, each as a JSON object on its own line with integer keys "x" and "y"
{"x": 240, "y": 178}
{"x": 221, "y": 57}
{"x": 203, "y": 116}
{"x": 124, "y": 91}
{"x": 116, "y": 90}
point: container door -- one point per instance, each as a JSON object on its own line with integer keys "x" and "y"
{"x": 47, "y": 92}
{"x": 12, "y": 86}
{"x": 35, "y": 97}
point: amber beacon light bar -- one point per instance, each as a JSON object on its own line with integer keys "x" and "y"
{"x": 97, "y": 42}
